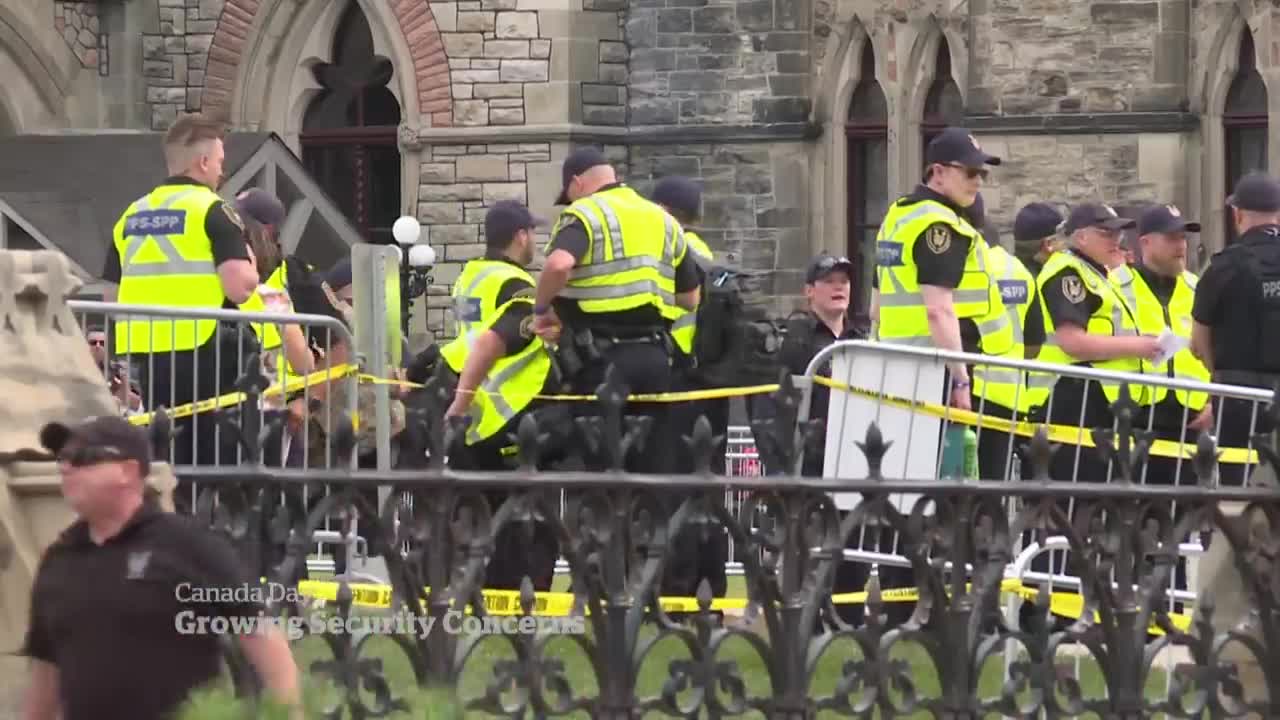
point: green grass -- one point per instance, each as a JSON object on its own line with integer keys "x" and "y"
{"x": 478, "y": 672}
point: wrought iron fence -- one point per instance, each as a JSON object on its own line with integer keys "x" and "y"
{"x": 436, "y": 530}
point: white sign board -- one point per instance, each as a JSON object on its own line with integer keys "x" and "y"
{"x": 914, "y": 439}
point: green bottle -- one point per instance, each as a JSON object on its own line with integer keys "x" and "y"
{"x": 970, "y": 454}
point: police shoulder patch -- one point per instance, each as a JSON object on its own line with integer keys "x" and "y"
{"x": 526, "y": 327}
{"x": 1073, "y": 289}
{"x": 232, "y": 215}
{"x": 938, "y": 238}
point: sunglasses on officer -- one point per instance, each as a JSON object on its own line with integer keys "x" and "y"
{"x": 970, "y": 172}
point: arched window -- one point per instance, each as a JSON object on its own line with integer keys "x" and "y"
{"x": 943, "y": 105}
{"x": 349, "y": 131}
{"x": 1244, "y": 121}
{"x": 867, "y": 131}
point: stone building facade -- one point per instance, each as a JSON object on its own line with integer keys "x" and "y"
{"x": 802, "y": 118}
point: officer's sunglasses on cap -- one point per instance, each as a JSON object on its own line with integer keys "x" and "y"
{"x": 85, "y": 456}
{"x": 969, "y": 172}
{"x": 829, "y": 262}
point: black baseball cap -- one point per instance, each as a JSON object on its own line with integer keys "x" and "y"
{"x": 680, "y": 194}
{"x": 824, "y": 265}
{"x": 339, "y": 276}
{"x": 1096, "y": 215}
{"x": 504, "y": 219}
{"x": 1165, "y": 219}
{"x": 1256, "y": 192}
{"x": 1036, "y": 221}
{"x": 261, "y": 206}
{"x": 578, "y": 162}
{"x": 957, "y": 145}
{"x": 111, "y": 434}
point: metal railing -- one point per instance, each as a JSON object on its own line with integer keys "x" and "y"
{"x": 959, "y": 540}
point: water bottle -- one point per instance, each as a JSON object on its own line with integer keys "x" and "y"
{"x": 970, "y": 454}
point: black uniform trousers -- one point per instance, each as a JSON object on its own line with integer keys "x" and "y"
{"x": 645, "y": 366}
{"x": 171, "y": 379}
{"x": 698, "y": 551}
{"x": 518, "y": 549}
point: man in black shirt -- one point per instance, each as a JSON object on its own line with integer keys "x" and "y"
{"x": 636, "y": 340}
{"x": 194, "y": 153}
{"x": 120, "y": 598}
{"x": 1237, "y": 311}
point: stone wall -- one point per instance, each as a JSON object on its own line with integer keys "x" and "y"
{"x": 78, "y": 23}
{"x": 1048, "y": 56}
{"x": 174, "y": 60}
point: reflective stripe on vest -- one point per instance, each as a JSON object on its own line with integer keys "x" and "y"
{"x": 1113, "y": 317}
{"x": 166, "y": 259}
{"x": 513, "y": 380}
{"x": 634, "y": 246}
{"x": 1002, "y": 333}
{"x": 1154, "y": 318}
{"x": 475, "y": 294}
{"x": 684, "y": 329}
{"x": 902, "y": 316}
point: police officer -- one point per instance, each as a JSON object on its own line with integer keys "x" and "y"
{"x": 931, "y": 259}
{"x": 501, "y": 366}
{"x": 1035, "y": 235}
{"x": 699, "y": 552}
{"x": 1161, "y": 290}
{"x": 1088, "y": 323}
{"x": 1237, "y": 310}
{"x": 1012, "y": 329}
{"x": 181, "y": 246}
{"x": 616, "y": 267}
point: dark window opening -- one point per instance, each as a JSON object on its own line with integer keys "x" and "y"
{"x": 1244, "y": 121}
{"x": 943, "y": 106}
{"x": 867, "y": 181}
{"x": 349, "y": 131}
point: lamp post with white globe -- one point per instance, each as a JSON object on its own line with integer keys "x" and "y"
{"x": 416, "y": 261}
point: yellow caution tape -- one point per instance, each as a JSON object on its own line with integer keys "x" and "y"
{"x": 560, "y": 604}
{"x": 1057, "y": 433}
{"x": 235, "y": 398}
{"x": 667, "y": 397}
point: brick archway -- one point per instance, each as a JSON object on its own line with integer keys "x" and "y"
{"x": 430, "y": 65}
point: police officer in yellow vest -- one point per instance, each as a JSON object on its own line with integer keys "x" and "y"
{"x": 180, "y": 246}
{"x": 1162, "y": 291}
{"x": 1013, "y": 329}
{"x": 501, "y": 367}
{"x": 931, "y": 259}
{"x": 1088, "y": 323}
{"x": 617, "y": 267}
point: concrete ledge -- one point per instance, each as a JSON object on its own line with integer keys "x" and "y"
{"x": 642, "y": 135}
{"x": 1084, "y": 123}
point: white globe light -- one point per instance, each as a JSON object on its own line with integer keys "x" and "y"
{"x": 421, "y": 256}
{"x": 406, "y": 230}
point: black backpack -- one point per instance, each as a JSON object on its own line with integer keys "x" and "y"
{"x": 737, "y": 340}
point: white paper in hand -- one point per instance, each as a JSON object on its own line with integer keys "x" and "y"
{"x": 1170, "y": 343}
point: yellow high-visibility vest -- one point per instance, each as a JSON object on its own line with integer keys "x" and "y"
{"x": 166, "y": 259}
{"x": 634, "y": 247}
{"x": 902, "y": 318}
{"x": 685, "y": 326}
{"x": 268, "y": 333}
{"x": 1002, "y": 333}
{"x": 1113, "y": 317}
{"x": 1154, "y": 318}
{"x": 513, "y": 380}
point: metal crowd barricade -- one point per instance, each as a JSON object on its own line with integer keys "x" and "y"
{"x": 142, "y": 383}
{"x": 882, "y": 376}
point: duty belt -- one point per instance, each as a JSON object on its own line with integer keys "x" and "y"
{"x": 1248, "y": 378}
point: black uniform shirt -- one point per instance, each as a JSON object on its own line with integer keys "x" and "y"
{"x": 1067, "y": 298}
{"x": 221, "y": 224}
{"x": 806, "y": 336}
{"x": 109, "y": 616}
{"x": 572, "y": 238}
{"x": 1227, "y": 301}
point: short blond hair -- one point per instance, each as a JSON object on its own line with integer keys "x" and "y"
{"x": 189, "y": 137}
